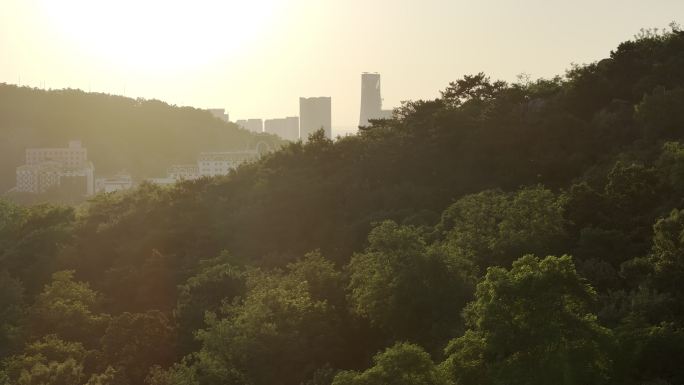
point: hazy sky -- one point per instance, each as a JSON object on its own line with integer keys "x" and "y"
{"x": 256, "y": 57}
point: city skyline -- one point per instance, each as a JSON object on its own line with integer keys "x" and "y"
{"x": 258, "y": 58}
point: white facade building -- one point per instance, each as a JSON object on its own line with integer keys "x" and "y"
{"x": 72, "y": 156}
{"x": 221, "y": 163}
{"x": 38, "y": 178}
{"x": 183, "y": 171}
{"x": 208, "y": 164}
{"x": 118, "y": 182}
{"x": 48, "y": 168}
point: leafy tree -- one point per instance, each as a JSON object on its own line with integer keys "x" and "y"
{"x": 12, "y": 313}
{"x": 402, "y": 364}
{"x": 136, "y": 342}
{"x": 68, "y": 309}
{"x": 278, "y": 325}
{"x": 408, "y": 290}
{"x": 631, "y": 187}
{"x": 650, "y": 353}
{"x": 49, "y": 361}
{"x": 491, "y": 227}
{"x": 31, "y": 241}
{"x": 532, "y": 324}
{"x": 110, "y": 376}
{"x": 660, "y": 114}
{"x": 466, "y": 360}
{"x": 667, "y": 256}
{"x": 216, "y": 281}
{"x": 670, "y": 167}
{"x": 324, "y": 281}
{"x": 179, "y": 374}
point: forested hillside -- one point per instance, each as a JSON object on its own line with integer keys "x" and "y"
{"x": 143, "y": 137}
{"x": 527, "y": 233}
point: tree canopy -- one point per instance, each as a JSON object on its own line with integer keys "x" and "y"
{"x": 524, "y": 233}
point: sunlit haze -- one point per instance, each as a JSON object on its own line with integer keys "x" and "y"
{"x": 256, "y": 58}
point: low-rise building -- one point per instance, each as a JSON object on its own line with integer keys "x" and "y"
{"x": 183, "y": 171}
{"x": 118, "y": 182}
{"x": 221, "y": 163}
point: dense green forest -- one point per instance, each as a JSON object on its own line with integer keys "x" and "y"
{"x": 142, "y": 137}
{"x": 527, "y": 233}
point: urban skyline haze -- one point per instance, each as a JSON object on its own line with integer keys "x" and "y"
{"x": 255, "y": 59}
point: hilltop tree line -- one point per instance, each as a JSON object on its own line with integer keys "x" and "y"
{"x": 525, "y": 233}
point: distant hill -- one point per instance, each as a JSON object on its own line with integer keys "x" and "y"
{"x": 140, "y": 136}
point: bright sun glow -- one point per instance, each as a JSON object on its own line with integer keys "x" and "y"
{"x": 161, "y": 35}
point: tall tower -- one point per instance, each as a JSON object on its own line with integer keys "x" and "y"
{"x": 314, "y": 114}
{"x": 371, "y": 100}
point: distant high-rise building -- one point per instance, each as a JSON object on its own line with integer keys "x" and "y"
{"x": 286, "y": 128}
{"x": 219, "y": 113}
{"x": 314, "y": 114}
{"x": 254, "y": 125}
{"x": 371, "y": 99}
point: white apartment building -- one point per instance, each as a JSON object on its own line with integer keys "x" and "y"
{"x": 72, "y": 156}
{"x": 183, "y": 171}
{"x": 37, "y": 178}
{"x": 47, "y": 168}
{"x": 221, "y": 163}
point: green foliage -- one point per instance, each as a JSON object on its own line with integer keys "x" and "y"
{"x": 324, "y": 281}
{"x": 491, "y": 227}
{"x": 216, "y": 281}
{"x": 12, "y": 313}
{"x": 178, "y": 374}
{"x": 49, "y": 361}
{"x": 31, "y": 240}
{"x": 532, "y": 324}
{"x": 668, "y": 252}
{"x": 650, "y": 354}
{"x": 110, "y": 376}
{"x": 412, "y": 291}
{"x": 466, "y": 360}
{"x": 136, "y": 342}
{"x": 279, "y": 325}
{"x": 631, "y": 187}
{"x": 670, "y": 166}
{"x": 68, "y": 309}
{"x": 600, "y": 148}
{"x": 402, "y": 364}
{"x": 660, "y": 113}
